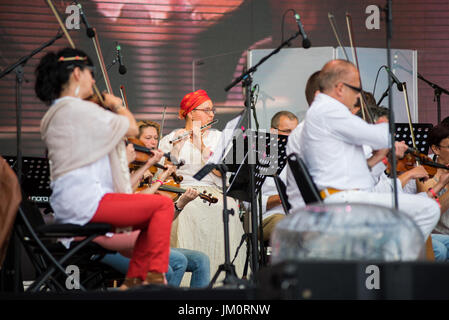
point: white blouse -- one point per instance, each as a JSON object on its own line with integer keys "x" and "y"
{"x": 186, "y": 151}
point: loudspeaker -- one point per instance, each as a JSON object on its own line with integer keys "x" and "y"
{"x": 354, "y": 280}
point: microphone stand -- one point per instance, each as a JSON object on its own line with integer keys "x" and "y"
{"x": 247, "y": 78}
{"x": 437, "y": 91}
{"x": 389, "y": 22}
{"x": 17, "y": 67}
{"x": 384, "y": 95}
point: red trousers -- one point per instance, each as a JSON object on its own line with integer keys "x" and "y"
{"x": 152, "y": 215}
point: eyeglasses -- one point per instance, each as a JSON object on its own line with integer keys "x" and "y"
{"x": 357, "y": 89}
{"x": 208, "y": 111}
{"x": 447, "y": 147}
{"x": 286, "y": 131}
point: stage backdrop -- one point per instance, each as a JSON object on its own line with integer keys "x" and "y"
{"x": 168, "y": 47}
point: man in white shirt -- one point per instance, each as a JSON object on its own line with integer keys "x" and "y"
{"x": 331, "y": 145}
{"x": 283, "y": 123}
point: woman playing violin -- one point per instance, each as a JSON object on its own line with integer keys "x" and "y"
{"x": 438, "y": 141}
{"x": 89, "y": 172}
{"x": 180, "y": 260}
{"x": 200, "y": 226}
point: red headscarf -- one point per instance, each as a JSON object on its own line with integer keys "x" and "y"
{"x": 191, "y": 101}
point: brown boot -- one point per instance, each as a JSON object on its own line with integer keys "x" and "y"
{"x": 130, "y": 283}
{"x": 155, "y": 278}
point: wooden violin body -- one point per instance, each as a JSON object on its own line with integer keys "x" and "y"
{"x": 412, "y": 158}
{"x": 172, "y": 190}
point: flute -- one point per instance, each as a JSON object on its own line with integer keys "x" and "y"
{"x": 188, "y": 133}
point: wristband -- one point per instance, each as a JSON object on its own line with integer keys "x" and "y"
{"x": 433, "y": 193}
{"x": 177, "y": 208}
{"x": 434, "y": 196}
{"x": 385, "y": 161}
{"x": 159, "y": 181}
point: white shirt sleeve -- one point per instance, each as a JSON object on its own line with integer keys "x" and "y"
{"x": 356, "y": 131}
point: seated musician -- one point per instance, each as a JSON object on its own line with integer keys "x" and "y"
{"x": 283, "y": 122}
{"x": 180, "y": 260}
{"x": 200, "y": 226}
{"x": 88, "y": 167}
{"x": 438, "y": 140}
{"x": 331, "y": 145}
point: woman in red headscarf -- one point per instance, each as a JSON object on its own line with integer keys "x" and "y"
{"x": 200, "y": 226}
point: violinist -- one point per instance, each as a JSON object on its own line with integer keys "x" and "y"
{"x": 331, "y": 145}
{"x": 149, "y": 135}
{"x": 180, "y": 260}
{"x": 200, "y": 226}
{"x": 89, "y": 174}
{"x": 438, "y": 140}
{"x": 146, "y": 170}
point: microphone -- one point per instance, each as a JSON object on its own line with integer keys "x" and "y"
{"x": 122, "y": 68}
{"x": 89, "y": 31}
{"x": 305, "y": 41}
{"x": 395, "y": 79}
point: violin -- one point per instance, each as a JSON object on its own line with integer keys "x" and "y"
{"x": 172, "y": 190}
{"x": 142, "y": 156}
{"x": 413, "y": 158}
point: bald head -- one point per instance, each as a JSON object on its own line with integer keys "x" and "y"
{"x": 340, "y": 80}
{"x": 336, "y": 71}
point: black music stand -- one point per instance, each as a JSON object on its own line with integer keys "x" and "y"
{"x": 216, "y": 162}
{"x": 35, "y": 179}
{"x": 421, "y": 131}
{"x": 270, "y": 161}
{"x": 35, "y": 187}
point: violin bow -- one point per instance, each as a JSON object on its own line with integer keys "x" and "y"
{"x": 407, "y": 106}
{"x": 363, "y": 104}
{"x": 104, "y": 71}
{"x": 162, "y": 125}
{"x": 123, "y": 94}
{"x": 336, "y": 34}
{"x": 72, "y": 44}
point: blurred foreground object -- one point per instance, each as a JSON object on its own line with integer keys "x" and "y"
{"x": 346, "y": 232}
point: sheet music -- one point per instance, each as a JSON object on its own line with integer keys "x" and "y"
{"x": 226, "y": 141}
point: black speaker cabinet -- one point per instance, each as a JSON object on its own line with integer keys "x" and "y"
{"x": 354, "y": 280}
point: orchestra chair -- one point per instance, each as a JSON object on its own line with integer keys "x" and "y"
{"x": 49, "y": 257}
{"x": 282, "y": 190}
{"x": 306, "y": 186}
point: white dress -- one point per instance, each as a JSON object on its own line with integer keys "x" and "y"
{"x": 200, "y": 226}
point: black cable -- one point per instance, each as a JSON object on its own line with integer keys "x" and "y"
{"x": 283, "y": 20}
{"x": 375, "y": 82}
